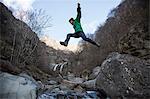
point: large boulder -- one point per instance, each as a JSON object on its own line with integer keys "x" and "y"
{"x": 17, "y": 87}
{"x": 124, "y": 75}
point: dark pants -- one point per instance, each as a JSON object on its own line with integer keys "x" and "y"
{"x": 77, "y": 35}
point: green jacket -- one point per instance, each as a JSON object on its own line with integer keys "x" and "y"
{"x": 77, "y": 25}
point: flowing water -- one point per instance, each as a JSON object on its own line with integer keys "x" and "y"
{"x": 69, "y": 95}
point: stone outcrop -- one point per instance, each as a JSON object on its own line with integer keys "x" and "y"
{"x": 17, "y": 87}
{"x": 124, "y": 75}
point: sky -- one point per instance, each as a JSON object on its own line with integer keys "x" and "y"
{"x": 94, "y": 13}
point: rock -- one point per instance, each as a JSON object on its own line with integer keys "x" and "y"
{"x": 64, "y": 88}
{"x": 52, "y": 82}
{"x": 90, "y": 84}
{"x": 136, "y": 42}
{"x": 55, "y": 90}
{"x": 50, "y": 87}
{"x": 78, "y": 89}
{"x": 68, "y": 84}
{"x": 95, "y": 72}
{"x": 40, "y": 85}
{"x": 85, "y": 74}
{"x": 77, "y": 80}
{"x": 16, "y": 87}
{"x": 6, "y": 66}
{"x": 24, "y": 75}
{"x": 70, "y": 76}
{"x": 124, "y": 75}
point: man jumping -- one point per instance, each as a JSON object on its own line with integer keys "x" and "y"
{"x": 78, "y": 30}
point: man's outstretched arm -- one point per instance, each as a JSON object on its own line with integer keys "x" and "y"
{"x": 78, "y": 13}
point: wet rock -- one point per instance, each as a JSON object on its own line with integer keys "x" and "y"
{"x": 50, "y": 87}
{"x": 16, "y": 87}
{"x": 78, "y": 89}
{"x": 77, "y": 80}
{"x": 70, "y": 76}
{"x": 56, "y": 90}
{"x": 89, "y": 84}
{"x": 124, "y": 75}
{"x": 24, "y": 75}
{"x": 52, "y": 82}
{"x": 40, "y": 85}
{"x": 95, "y": 72}
{"x": 64, "y": 88}
{"x": 85, "y": 74}
{"x": 68, "y": 84}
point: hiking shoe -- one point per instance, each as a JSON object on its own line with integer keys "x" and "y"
{"x": 63, "y": 43}
{"x": 97, "y": 45}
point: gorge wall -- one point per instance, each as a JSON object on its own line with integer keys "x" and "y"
{"x": 21, "y": 48}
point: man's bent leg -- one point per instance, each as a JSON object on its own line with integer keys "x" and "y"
{"x": 65, "y": 43}
{"x": 68, "y": 38}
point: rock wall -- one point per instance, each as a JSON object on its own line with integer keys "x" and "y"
{"x": 20, "y": 46}
{"x": 137, "y": 41}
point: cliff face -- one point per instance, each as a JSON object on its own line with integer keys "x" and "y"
{"x": 21, "y": 47}
{"x": 18, "y": 43}
{"x": 136, "y": 42}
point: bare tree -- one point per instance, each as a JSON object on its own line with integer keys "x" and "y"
{"x": 38, "y": 21}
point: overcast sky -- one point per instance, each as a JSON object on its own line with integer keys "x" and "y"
{"x": 94, "y": 13}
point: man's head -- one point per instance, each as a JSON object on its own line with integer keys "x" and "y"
{"x": 71, "y": 20}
